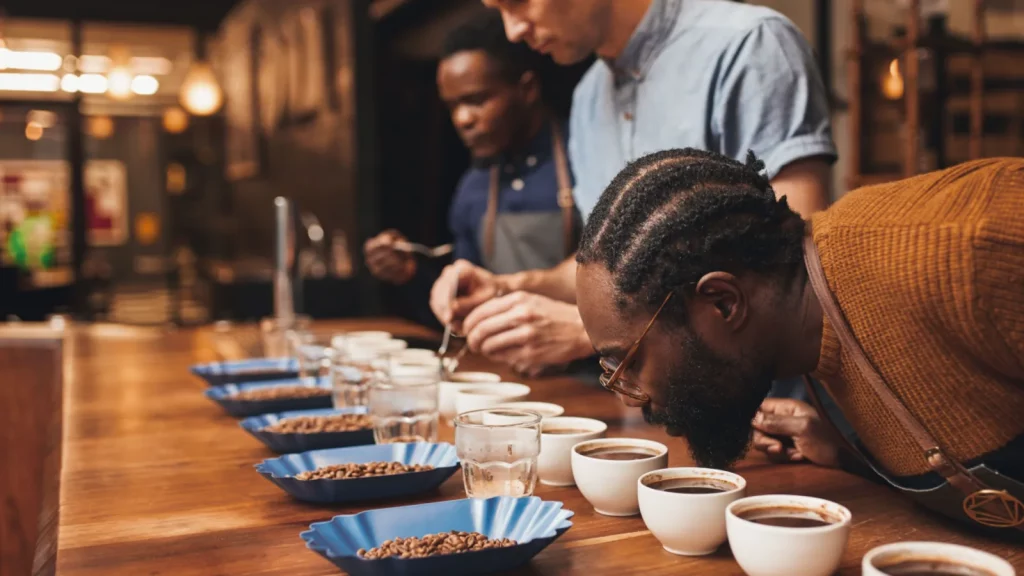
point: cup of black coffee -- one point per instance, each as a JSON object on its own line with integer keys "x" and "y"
{"x": 783, "y": 535}
{"x": 606, "y": 471}
{"x": 684, "y": 508}
{"x": 932, "y": 559}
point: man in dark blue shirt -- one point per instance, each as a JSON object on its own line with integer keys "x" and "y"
{"x": 513, "y": 208}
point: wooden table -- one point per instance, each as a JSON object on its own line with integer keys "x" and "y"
{"x": 157, "y": 480}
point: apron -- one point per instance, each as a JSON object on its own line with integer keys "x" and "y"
{"x": 979, "y": 495}
{"x": 513, "y": 242}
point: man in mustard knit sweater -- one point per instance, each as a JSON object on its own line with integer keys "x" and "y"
{"x": 700, "y": 290}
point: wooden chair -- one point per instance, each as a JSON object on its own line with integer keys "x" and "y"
{"x": 31, "y": 385}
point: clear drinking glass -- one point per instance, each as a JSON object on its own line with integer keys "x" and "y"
{"x": 498, "y": 449}
{"x": 315, "y": 361}
{"x": 404, "y": 410}
{"x": 350, "y": 386}
{"x": 275, "y": 334}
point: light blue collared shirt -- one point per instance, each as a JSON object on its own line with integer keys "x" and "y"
{"x": 710, "y": 74}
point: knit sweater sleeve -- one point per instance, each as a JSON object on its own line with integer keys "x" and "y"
{"x": 998, "y": 279}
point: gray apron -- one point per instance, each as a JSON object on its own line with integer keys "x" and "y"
{"x": 979, "y": 495}
{"x": 517, "y": 241}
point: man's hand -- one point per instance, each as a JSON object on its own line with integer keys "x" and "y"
{"x": 528, "y": 332}
{"x": 386, "y": 263}
{"x": 476, "y": 286}
{"x": 812, "y": 439}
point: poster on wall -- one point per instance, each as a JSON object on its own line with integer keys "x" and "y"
{"x": 35, "y": 209}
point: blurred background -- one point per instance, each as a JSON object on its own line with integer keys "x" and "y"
{"x": 142, "y": 143}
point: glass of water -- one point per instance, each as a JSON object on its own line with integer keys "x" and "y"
{"x": 350, "y": 386}
{"x": 498, "y": 449}
{"x": 403, "y": 410}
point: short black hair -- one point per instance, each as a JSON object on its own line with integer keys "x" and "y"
{"x": 486, "y": 32}
{"x": 671, "y": 217}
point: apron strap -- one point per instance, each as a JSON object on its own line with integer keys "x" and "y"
{"x": 982, "y": 504}
{"x": 565, "y": 199}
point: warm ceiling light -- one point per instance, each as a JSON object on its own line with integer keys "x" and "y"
{"x": 19, "y": 60}
{"x": 69, "y": 83}
{"x": 145, "y": 85}
{"x": 175, "y": 120}
{"x": 200, "y": 93}
{"x": 18, "y": 82}
{"x": 93, "y": 64}
{"x": 33, "y": 131}
{"x": 892, "y": 83}
{"x": 92, "y": 83}
{"x": 100, "y": 127}
{"x": 119, "y": 83}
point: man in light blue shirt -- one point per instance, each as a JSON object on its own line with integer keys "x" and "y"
{"x": 709, "y": 74}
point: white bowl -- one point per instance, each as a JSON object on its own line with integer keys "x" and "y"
{"x": 339, "y": 341}
{"x": 458, "y": 380}
{"x": 763, "y": 550}
{"x": 414, "y": 355}
{"x": 376, "y": 347}
{"x": 545, "y": 409}
{"x": 554, "y": 465}
{"x": 889, "y": 554}
{"x": 489, "y": 396}
{"x": 610, "y": 485}
{"x": 688, "y": 524}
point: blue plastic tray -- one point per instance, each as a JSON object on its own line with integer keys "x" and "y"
{"x": 281, "y": 471}
{"x": 251, "y": 370}
{"x": 531, "y": 522}
{"x": 291, "y": 443}
{"x": 222, "y": 395}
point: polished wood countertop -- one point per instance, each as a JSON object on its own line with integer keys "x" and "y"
{"x": 156, "y": 479}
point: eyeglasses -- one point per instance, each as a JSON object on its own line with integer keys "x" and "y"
{"x": 613, "y": 369}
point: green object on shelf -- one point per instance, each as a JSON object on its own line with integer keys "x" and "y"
{"x": 31, "y": 244}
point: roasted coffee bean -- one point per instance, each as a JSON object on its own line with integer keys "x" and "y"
{"x": 453, "y": 542}
{"x": 279, "y": 393}
{"x": 318, "y": 424}
{"x": 351, "y": 471}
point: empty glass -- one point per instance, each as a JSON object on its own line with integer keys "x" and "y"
{"x": 315, "y": 361}
{"x": 350, "y": 386}
{"x": 498, "y": 449}
{"x": 404, "y": 410}
{"x": 275, "y": 332}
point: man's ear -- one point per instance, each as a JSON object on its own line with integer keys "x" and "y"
{"x": 529, "y": 85}
{"x": 721, "y": 292}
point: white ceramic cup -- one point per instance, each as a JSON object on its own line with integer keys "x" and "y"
{"x": 414, "y": 355}
{"x": 489, "y": 396}
{"x": 688, "y": 524}
{"x": 610, "y": 485}
{"x": 554, "y": 465}
{"x": 340, "y": 341}
{"x": 763, "y": 550}
{"x": 457, "y": 381}
{"x": 545, "y": 409}
{"x": 377, "y": 347}
{"x": 930, "y": 553}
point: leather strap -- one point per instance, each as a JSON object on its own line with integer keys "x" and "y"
{"x": 565, "y": 199}
{"x": 932, "y": 451}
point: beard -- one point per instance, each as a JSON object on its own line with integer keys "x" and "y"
{"x": 711, "y": 401}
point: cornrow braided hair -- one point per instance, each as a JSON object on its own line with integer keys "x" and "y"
{"x": 671, "y": 217}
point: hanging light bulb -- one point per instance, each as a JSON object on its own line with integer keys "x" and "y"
{"x": 119, "y": 78}
{"x": 175, "y": 120}
{"x": 200, "y": 93}
{"x": 892, "y": 83}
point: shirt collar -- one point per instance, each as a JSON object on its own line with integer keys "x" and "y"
{"x": 539, "y": 147}
{"x": 648, "y": 38}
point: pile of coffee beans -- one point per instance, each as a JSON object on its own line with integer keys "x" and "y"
{"x": 350, "y": 471}
{"x": 453, "y": 542}
{"x": 318, "y": 424}
{"x": 279, "y": 393}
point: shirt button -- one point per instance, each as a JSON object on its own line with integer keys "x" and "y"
{"x": 509, "y": 169}
{"x": 518, "y": 184}
{"x": 628, "y": 116}
{"x": 531, "y": 161}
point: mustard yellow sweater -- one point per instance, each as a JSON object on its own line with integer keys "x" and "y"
{"x": 930, "y": 274}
